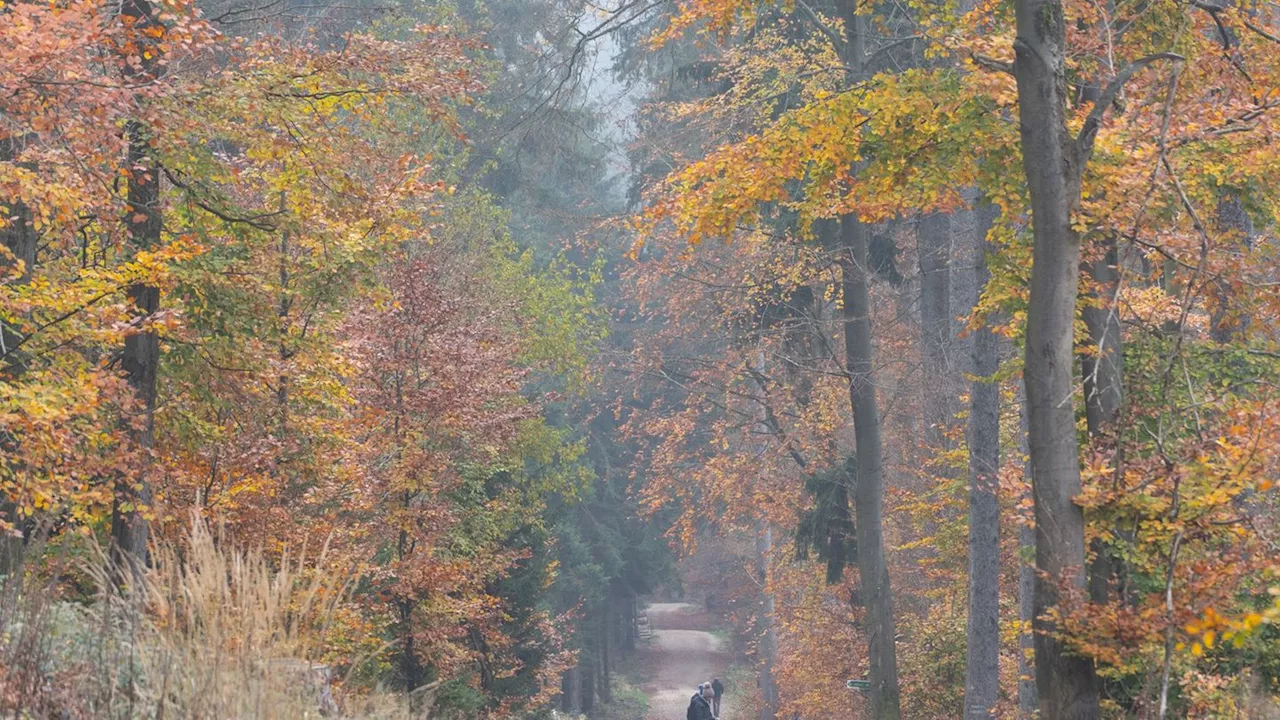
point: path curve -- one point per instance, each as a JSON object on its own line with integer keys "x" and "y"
{"x": 681, "y": 654}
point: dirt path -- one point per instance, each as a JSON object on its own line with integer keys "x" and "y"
{"x": 681, "y": 654}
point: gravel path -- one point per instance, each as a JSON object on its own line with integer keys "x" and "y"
{"x": 681, "y": 654}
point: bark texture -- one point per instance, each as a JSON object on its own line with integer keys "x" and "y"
{"x": 933, "y": 242}
{"x": 1052, "y": 161}
{"x": 982, "y": 666}
{"x": 873, "y": 571}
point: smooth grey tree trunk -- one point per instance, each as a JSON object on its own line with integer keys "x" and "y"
{"x": 873, "y": 570}
{"x": 1052, "y": 161}
{"x": 982, "y": 666}
{"x": 1066, "y": 683}
{"x": 768, "y": 633}
{"x": 868, "y": 494}
{"x": 933, "y": 242}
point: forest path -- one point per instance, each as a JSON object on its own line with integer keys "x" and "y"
{"x": 681, "y": 654}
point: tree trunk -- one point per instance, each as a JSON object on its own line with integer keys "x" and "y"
{"x": 571, "y": 691}
{"x": 629, "y": 624}
{"x": 1103, "y": 370}
{"x": 1067, "y": 684}
{"x": 868, "y": 492}
{"x": 768, "y": 634}
{"x": 605, "y": 681}
{"x": 873, "y": 571}
{"x": 933, "y": 241}
{"x": 1103, "y": 365}
{"x": 19, "y": 238}
{"x": 587, "y": 675}
{"x": 129, "y": 526}
{"x": 982, "y": 671}
{"x": 1228, "y": 324}
{"x": 141, "y": 357}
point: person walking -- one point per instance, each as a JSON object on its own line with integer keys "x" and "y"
{"x": 700, "y": 704}
{"x": 717, "y": 689}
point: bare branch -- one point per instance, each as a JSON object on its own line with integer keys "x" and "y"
{"x": 1089, "y": 132}
{"x": 992, "y": 64}
{"x": 837, "y": 40}
{"x": 254, "y": 221}
{"x": 1260, "y": 31}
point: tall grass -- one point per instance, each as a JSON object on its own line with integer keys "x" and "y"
{"x": 210, "y": 631}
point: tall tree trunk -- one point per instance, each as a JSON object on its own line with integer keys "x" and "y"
{"x": 1103, "y": 370}
{"x": 1052, "y": 161}
{"x": 933, "y": 241}
{"x": 587, "y": 675}
{"x": 768, "y": 633}
{"x": 1103, "y": 365}
{"x": 868, "y": 496}
{"x": 141, "y": 357}
{"x": 129, "y": 525}
{"x": 605, "y": 681}
{"x": 873, "y": 570}
{"x": 571, "y": 691}
{"x": 19, "y": 237}
{"x": 982, "y": 671}
{"x": 629, "y": 623}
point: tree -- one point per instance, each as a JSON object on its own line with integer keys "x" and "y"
{"x": 1067, "y": 684}
{"x": 868, "y": 494}
{"x": 982, "y": 659}
{"x": 141, "y": 62}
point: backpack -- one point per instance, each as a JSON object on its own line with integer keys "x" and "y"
{"x": 689, "y": 714}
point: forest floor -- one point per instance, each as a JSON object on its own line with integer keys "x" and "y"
{"x": 682, "y": 653}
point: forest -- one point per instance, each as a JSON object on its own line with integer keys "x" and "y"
{"x": 532, "y": 358}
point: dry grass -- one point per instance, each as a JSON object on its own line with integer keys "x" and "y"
{"x": 209, "y": 632}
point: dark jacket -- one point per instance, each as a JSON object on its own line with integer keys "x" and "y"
{"x": 717, "y": 687}
{"x": 699, "y": 708}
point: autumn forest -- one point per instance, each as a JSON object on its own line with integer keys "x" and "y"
{"x": 532, "y": 358}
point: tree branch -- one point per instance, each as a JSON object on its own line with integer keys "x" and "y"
{"x": 1089, "y": 132}
{"x": 837, "y": 40}
{"x": 254, "y": 221}
{"x": 1260, "y": 31}
{"x": 992, "y": 64}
